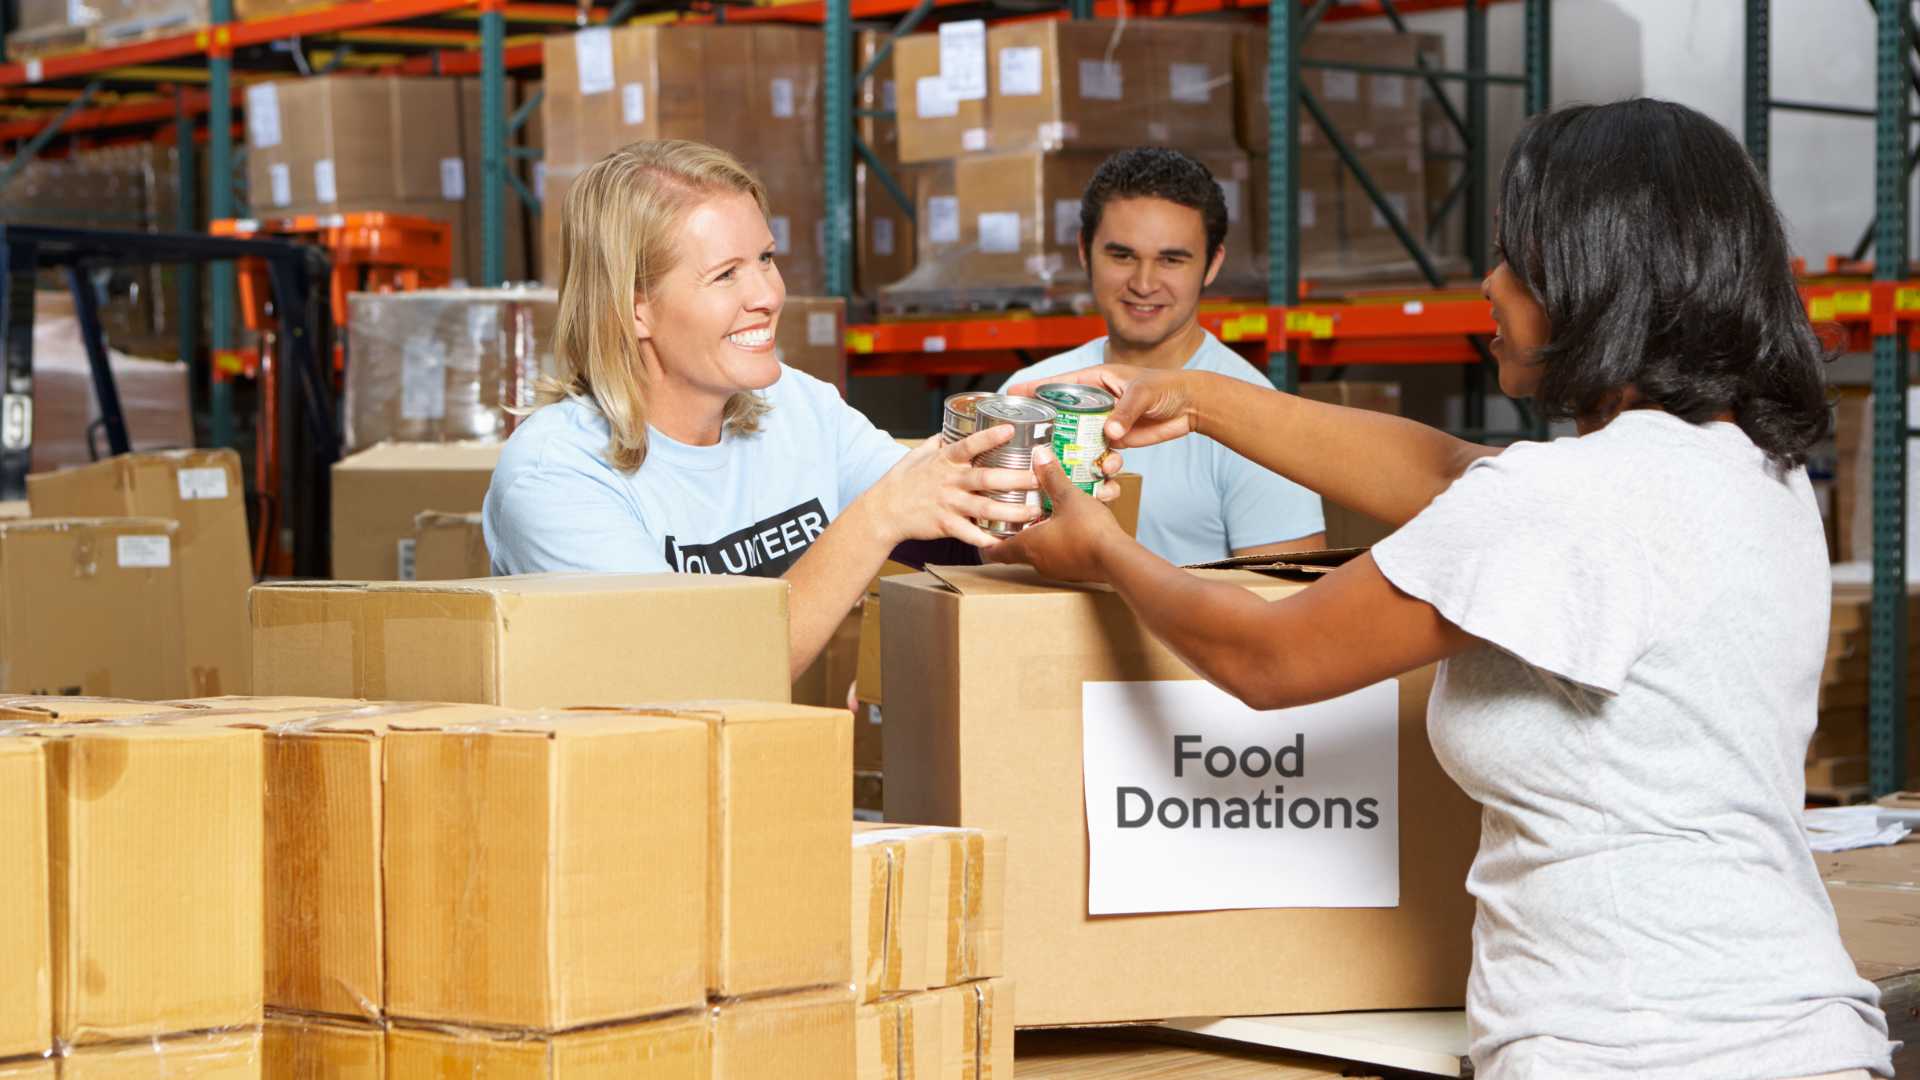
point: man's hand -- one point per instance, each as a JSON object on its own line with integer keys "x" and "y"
{"x": 1070, "y": 545}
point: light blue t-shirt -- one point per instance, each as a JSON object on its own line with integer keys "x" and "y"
{"x": 751, "y": 504}
{"x": 1200, "y": 501}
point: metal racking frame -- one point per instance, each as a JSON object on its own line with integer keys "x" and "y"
{"x": 1889, "y": 307}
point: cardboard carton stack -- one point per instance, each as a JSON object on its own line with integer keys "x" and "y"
{"x": 449, "y": 547}
{"x": 928, "y": 952}
{"x": 203, "y": 494}
{"x": 1023, "y": 113}
{"x": 378, "y": 492}
{"x": 1837, "y": 762}
{"x": 339, "y": 144}
{"x": 884, "y": 232}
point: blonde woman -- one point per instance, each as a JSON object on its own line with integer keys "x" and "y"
{"x": 678, "y": 442}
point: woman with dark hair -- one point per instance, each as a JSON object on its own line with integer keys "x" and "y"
{"x": 1630, "y": 623}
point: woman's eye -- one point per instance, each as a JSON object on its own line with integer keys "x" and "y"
{"x": 766, "y": 258}
{"x": 726, "y": 276}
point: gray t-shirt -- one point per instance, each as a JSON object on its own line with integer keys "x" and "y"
{"x": 1653, "y": 600}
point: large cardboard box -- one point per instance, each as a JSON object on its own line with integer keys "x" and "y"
{"x": 1319, "y": 213}
{"x": 346, "y": 137}
{"x": 1346, "y": 527}
{"x": 529, "y": 641}
{"x": 1190, "y": 81}
{"x": 449, "y": 547}
{"x": 295, "y": 1047}
{"x": 93, "y": 606}
{"x": 1401, "y": 177}
{"x": 967, "y": 745}
{"x": 764, "y": 1038}
{"x": 1370, "y": 111}
{"x": 546, "y": 873}
{"x": 378, "y": 492}
{"x": 950, "y": 919}
{"x": 796, "y": 215}
{"x": 812, "y": 337}
{"x": 204, "y": 492}
{"x": 934, "y": 126}
{"x": 884, "y": 231}
{"x": 26, "y": 967}
{"x": 671, "y": 1048}
{"x": 156, "y": 881}
{"x": 1069, "y": 85}
{"x": 218, "y": 1055}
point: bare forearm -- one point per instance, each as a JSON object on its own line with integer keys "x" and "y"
{"x": 1387, "y": 467}
{"x": 828, "y": 580}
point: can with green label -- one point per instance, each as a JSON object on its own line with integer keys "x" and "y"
{"x": 1080, "y": 433}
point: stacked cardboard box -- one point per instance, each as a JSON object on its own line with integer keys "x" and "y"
{"x": 1837, "y": 762}
{"x": 340, "y": 144}
{"x": 445, "y": 365}
{"x": 883, "y": 228}
{"x": 750, "y": 90}
{"x": 92, "y": 606}
{"x": 812, "y": 337}
{"x": 378, "y": 492}
{"x": 203, "y": 493}
{"x": 47, "y": 27}
{"x": 449, "y": 547}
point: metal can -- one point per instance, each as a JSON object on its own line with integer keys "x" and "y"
{"x": 1080, "y": 433}
{"x": 959, "y": 419}
{"x": 1032, "y": 423}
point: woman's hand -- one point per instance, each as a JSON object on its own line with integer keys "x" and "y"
{"x": 936, "y": 492}
{"x": 1070, "y": 545}
{"x": 1152, "y": 406}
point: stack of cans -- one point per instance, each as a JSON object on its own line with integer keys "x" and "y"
{"x": 1068, "y": 418}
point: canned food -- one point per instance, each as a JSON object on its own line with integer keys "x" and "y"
{"x": 1080, "y": 432}
{"x": 1032, "y": 423}
{"x": 959, "y": 419}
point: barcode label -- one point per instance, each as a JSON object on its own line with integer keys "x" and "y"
{"x": 203, "y": 483}
{"x": 143, "y": 552}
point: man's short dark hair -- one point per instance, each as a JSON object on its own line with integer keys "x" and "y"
{"x": 1155, "y": 172}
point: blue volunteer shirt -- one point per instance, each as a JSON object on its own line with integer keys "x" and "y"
{"x": 1200, "y": 501}
{"x": 752, "y": 504}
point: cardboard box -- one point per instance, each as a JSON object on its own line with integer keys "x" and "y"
{"x": 378, "y": 492}
{"x": 26, "y": 965}
{"x": 338, "y": 138}
{"x": 883, "y": 230}
{"x": 811, "y": 336}
{"x": 936, "y": 232}
{"x": 116, "y": 589}
{"x": 1190, "y": 82}
{"x": 204, "y": 492}
{"x": 220, "y": 1055}
{"x": 297, "y": 1047}
{"x": 1370, "y": 112}
{"x": 879, "y": 887}
{"x": 671, "y": 1048}
{"x": 1345, "y": 527}
{"x": 156, "y": 884}
{"x": 1401, "y": 177}
{"x": 952, "y": 905}
{"x": 828, "y": 682}
{"x": 880, "y": 93}
{"x": 796, "y": 203}
{"x": 763, "y": 1038}
{"x": 528, "y": 641}
{"x": 967, "y": 746}
{"x": 1319, "y": 209}
{"x": 532, "y": 882}
{"x": 449, "y": 547}
{"x": 933, "y": 126}
{"x": 47, "y": 709}
{"x": 1069, "y": 85}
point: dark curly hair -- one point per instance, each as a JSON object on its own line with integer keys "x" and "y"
{"x": 1646, "y": 234}
{"x": 1154, "y": 172}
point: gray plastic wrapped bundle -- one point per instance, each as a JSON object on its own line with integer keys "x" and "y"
{"x": 445, "y": 365}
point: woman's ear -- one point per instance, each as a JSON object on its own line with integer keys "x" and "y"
{"x": 642, "y": 318}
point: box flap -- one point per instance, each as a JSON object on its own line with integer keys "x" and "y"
{"x": 1026, "y": 581}
{"x": 1295, "y": 565}
{"x": 492, "y": 720}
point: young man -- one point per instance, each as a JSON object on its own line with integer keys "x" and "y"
{"x": 1153, "y": 225}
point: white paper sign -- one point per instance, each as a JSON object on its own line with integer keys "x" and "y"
{"x": 453, "y": 179}
{"x": 973, "y": 140}
{"x": 324, "y": 188}
{"x": 633, "y": 104}
{"x": 1308, "y": 217}
{"x": 932, "y": 100}
{"x": 203, "y": 483}
{"x": 781, "y": 91}
{"x": 882, "y": 236}
{"x": 263, "y": 116}
{"x": 423, "y": 380}
{"x": 593, "y": 55}
{"x": 16, "y": 421}
{"x": 281, "y": 182}
{"x": 1197, "y": 803}
{"x": 540, "y": 180}
{"x": 1000, "y": 232}
{"x": 782, "y": 228}
{"x": 823, "y": 327}
{"x": 143, "y": 552}
{"x": 963, "y": 59}
{"x": 1066, "y": 223}
{"x": 1020, "y": 71}
{"x": 1189, "y": 84}
{"x": 888, "y": 95}
{"x": 1100, "y": 80}
{"x": 943, "y": 219}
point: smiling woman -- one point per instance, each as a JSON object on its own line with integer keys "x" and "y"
{"x": 677, "y": 441}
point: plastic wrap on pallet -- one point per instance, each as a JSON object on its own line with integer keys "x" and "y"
{"x": 301, "y": 1047}
{"x": 444, "y": 365}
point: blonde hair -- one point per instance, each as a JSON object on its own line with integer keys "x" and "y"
{"x": 618, "y": 237}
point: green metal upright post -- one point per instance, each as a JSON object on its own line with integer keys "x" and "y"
{"x": 1757, "y": 83}
{"x": 1283, "y": 179}
{"x": 1539, "y": 58}
{"x": 1887, "y": 673}
{"x": 186, "y": 219}
{"x": 493, "y": 144}
{"x": 220, "y": 205}
{"x": 1474, "y": 383}
{"x": 1081, "y": 9}
{"x": 838, "y": 93}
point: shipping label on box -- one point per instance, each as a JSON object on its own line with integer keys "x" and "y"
{"x": 1196, "y": 802}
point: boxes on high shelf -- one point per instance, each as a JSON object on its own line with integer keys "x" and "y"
{"x": 1345, "y": 527}
{"x": 341, "y": 138}
{"x": 1401, "y": 177}
{"x": 92, "y": 606}
{"x": 967, "y": 746}
{"x": 812, "y": 337}
{"x": 883, "y": 231}
{"x": 203, "y": 491}
{"x": 26, "y": 968}
{"x": 156, "y": 884}
{"x": 449, "y": 547}
{"x": 44, "y": 27}
{"x": 876, "y": 95}
{"x": 463, "y": 185}
{"x": 934, "y": 125}
{"x": 1318, "y": 211}
{"x": 378, "y": 492}
{"x": 796, "y": 197}
{"x": 1371, "y": 112}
